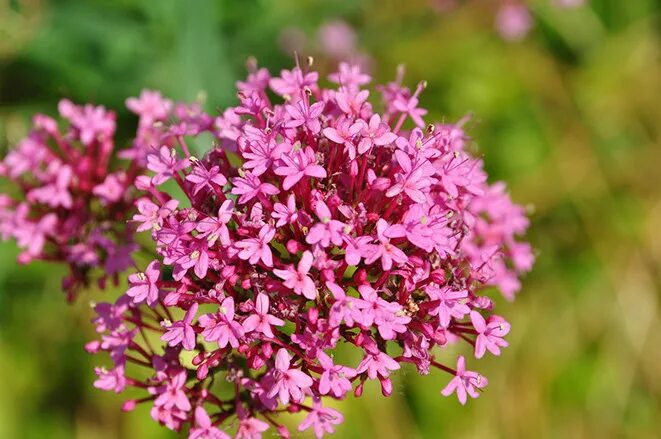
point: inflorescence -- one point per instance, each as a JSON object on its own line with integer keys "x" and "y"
{"x": 313, "y": 221}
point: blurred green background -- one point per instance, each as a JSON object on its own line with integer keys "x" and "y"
{"x": 569, "y": 117}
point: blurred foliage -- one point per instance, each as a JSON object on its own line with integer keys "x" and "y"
{"x": 569, "y": 117}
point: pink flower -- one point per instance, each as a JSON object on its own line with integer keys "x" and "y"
{"x": 291, "y": 83}
{"x": 213, "y": 228}
{"x": 202, "y": 177}
{"x": 110, "y": 380}
{"x": 172, "y": 394}
{"x": 251, "y": 428}
{"x": 413, "y": 179}
{"x": 181, "y": 331}
{"x": 255, "y": 249}
{"x": 249, "y": 186}
{"x": 451, "y": 303}
{"x": 285, "y": 214}
{"x": 298, "y": 164}
{"x": 306, "y": 115}
{"x": 204, "y": 428}
{"x": 377, "y": 363}
{"x": 346, "y": 309}
{"x": 384, "y": 250}
{"x": 321, "y": 419}
{"x": 298, "y": 279}
{"x": 287, "y": 382}
{"x": 465, "y": 382}
{"x": 344, "y": 133}
{"x": 334, "y": 378}
{"x": 489, "y": 334}
{"x": 375, "y": 133}
{"x": 513, "y": 21}
{"x": 221, "y": 327}
{"x": 144, "y": 285}
{"x": 261, "y": 321}
{"x": 112, "y": 189}
{"x": 165, "y": 164}
{"x": 328, "y": 230}
{"x": 56, "y": 193}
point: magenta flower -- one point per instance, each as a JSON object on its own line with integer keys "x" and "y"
{"x": 201, "y": 177}
{"x": 298, "y": 279}
{"x": 213, "y": 228}
{"x": 489, "y": 334}
{"x": 261, "y": 321}
{"x": 448, "y": 303}
{"x": 181, "y": 331}
{"x": 344, "y": 134}
{"x": 321, "y": 419}
{"x": 150, "y": 106}
{"x": 285, "y": 214}
{"x": 328, "y": 230}
{"x": 298, "y": 164}
{"x": 375, "y": 133}
{"x": 465, "y": 382}
{"x": 377, "y": 364}
{"x": 306, "y": 115}
{"x": 204, "y": 428}
{"x": 255, "y": 249}
{"x": 286, "y": 382}
{"x": 413, "y": 179}
{"x": 110, "y": 380}
{"x": 334, "y": 378}
{"x": 384, "y": 250}
{"x": 172, "y": 394}
{"x": 249, "y": 186}
{"x": 144, "y": 285}
{"x": 221, "y": 327}
{"x": 165, "y": 164}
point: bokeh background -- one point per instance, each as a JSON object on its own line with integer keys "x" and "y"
{"x": 569, "y": 116}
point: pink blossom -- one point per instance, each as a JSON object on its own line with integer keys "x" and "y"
{"x": 321, "y": 419}
{"x": 306, "y": 115}
{"x": 334, "y": 379}
{"x": 181, "y": 331}
{"x": 298, "y": 279}
{"x": 326, "y": 231}
{"x": 151, "y": 215}
{"x": 285, "y": 214}
{"x": 250, "y": 186}
{"x": 384, "y": 250}
{"x": 261, "y": 321}
{"x": 286, "y": 382}
{"x": 298, "y": 164}
{"x": 465, "y": 382}
{"x": 451, "y": 303}
{"x": 489, "y": 333}
{"x": 204, "y": 427}
{"x": 150, "y": 106}
{"x": 201, "y": 177}
{"x": 255, "y": 249}
{"x": 221, "y": 327}
{"x": 110, "y": 380}
{"x": 375, "y": 133}
{"x": 144, "y": 285}
{"x": 165, "y": 164}
{"x": 344, "y": 133}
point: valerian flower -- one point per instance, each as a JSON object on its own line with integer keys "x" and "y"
{"x": 311, "y": 223}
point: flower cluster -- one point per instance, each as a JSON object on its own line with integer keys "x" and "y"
{"x": 70, "y": 204}
{"x": 71, "y": 200}
{"x": 310, "y": 223}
